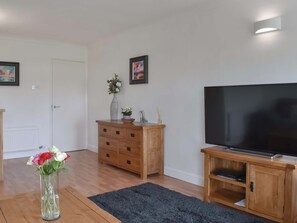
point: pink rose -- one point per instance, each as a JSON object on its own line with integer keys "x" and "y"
{"x": 36, "y": 159}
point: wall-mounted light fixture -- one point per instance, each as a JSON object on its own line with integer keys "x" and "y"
{"x": 268, "y": 25}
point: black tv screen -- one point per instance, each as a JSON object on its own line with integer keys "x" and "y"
{"x": 252, "y": 117}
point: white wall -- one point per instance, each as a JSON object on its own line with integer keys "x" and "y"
{"x": 28, "y": 109}
{"x": 204, "y": 46}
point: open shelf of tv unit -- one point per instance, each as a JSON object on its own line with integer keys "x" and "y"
{"x": 269, "y": 188}
{"x": 233, "y": 182}
{"x": 227, "y": 197}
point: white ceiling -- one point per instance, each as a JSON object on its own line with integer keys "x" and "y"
{"x": 82, "y": 21}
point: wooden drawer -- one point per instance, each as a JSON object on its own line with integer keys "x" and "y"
{"x": 118, "y": 132}
{"x": 129, "y": 162}
{"x": 108, "y": 156}
{"x": 132, "y": 134}
{"x": 129, "y": 148}
{"x": 105, "y": 130}
{"x": 107, "y": 143}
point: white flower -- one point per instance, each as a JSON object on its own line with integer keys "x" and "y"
{"x": 60, "y": 156}
{"x": 119, "y": 84}
{"x": 117, "y": 90}
{"x": 127, "y": 110}
{"x": 54, "y": 150}
{"x": 30, "y": 161}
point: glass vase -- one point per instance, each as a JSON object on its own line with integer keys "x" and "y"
{"x": 49, "y": 185}
{"x": 114, "y": 108}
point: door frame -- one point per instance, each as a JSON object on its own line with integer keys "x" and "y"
{"x": 51, "y": 99}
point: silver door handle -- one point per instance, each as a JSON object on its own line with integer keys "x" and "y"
{"x": 56, "y": 106}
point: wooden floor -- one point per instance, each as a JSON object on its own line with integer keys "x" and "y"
{"x": 87, "y": 176}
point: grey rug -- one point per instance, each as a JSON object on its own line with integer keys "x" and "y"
{"x": 151, "y": 203}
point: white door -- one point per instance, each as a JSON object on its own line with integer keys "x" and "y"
{"x": 69, "y": 105}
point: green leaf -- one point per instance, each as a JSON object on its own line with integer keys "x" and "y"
{"x": 55, "y": 165}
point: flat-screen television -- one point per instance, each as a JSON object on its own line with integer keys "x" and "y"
{"x": 252, "y": 117}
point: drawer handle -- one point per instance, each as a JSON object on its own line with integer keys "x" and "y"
{"x": 128, "y": 161}
{"x": 107, "y": 143}
{"x": 252, "y": 186}
{"x": 128, "y": 148}
{"x": 107, "y": 155}
{"x": 132, "y": 135}
{"x": 117, "y": 132}
{"x": 104, "y": 130}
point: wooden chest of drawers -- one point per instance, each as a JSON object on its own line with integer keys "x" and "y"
{"x": 135, "y": 147}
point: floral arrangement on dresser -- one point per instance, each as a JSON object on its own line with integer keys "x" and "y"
{"x": 127, "y": 111}
{"x": 114, "y": 84}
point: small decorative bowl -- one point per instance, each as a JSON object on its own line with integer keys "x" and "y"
{"x": 130, "y": 120}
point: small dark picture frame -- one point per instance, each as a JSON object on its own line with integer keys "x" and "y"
{"x": 9, "y": 73}
{"x": 139, "y": 70}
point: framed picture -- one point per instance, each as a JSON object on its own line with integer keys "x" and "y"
{"x": 139, "y": 70}
{"x": 9, "y": 73}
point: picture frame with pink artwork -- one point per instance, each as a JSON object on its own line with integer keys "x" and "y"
{"x": 139, "y": 70}
{"x": 9, "y": 73}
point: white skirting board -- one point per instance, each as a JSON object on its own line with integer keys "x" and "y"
{"x": 22, "y": 154}
{"x": 184, "y": 176}
{"x": 93, "y": 148}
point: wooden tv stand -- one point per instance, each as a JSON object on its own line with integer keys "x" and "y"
{"x": 269, "y": 190}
